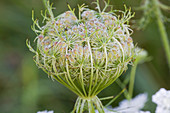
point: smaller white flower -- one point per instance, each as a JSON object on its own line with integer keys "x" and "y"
{"x": 144, "y": 111}
{"x": 45, "y": 111}
{"x": 162, "y": 99}
{"x": 132, "y": 106}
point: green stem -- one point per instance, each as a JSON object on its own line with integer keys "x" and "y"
{"x": 82, "y": 81}
{"x": 69, "y": 77}
{"x": 110, "y": 81}
{"x": 96, "y": 81}
{"x": 45, "y": 3}
{"x": 99, "y": 105}
{"x": 82, "y": 106}
{"x": 115, "y": 98}
{"x": 106, "y": 98}
{"x": 164, "y": 39}
{"x": 56, "y": 77}
{"x": 98, "y": 6}
{"x": 78, "y": 105}
{"x": 49, "y": 8}
{"x": 132, "y": 78}
{"x": 93, "y": 104}
{"x": 91, "y": 76}
{"x": 90, "y": 106}
{"x": 122, "y": 85}
{"x": 162, "y": 30}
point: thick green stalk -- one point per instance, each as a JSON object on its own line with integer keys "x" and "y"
{"x": 164, "y": 38}
{"x": 132, "y": 79}
{"x": 162, "y": 30}
{"x": 122, "y": 85}
{"x": 90, "y": 106}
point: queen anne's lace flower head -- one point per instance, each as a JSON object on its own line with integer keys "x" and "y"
{"x": 162, "y": 99}
{"x": 85, "y": 53}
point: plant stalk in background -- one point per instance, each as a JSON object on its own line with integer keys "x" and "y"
{"x": 140, "y": 58}
{"x": 152, "y": 8}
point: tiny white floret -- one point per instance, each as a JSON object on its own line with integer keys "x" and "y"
{"x": 132, "y": 106}
{"x": 162, "y": 99}
{"x": 45, "y": 111}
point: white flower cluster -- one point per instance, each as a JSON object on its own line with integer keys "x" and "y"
{"x": 45, "y": 111}
{"x": 130, "y": 106}
{"x": 162, "y": 99}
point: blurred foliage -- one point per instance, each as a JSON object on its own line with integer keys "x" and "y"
{"x": 26, "y": 89}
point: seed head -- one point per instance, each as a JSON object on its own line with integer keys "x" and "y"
{"x": 88, "y": 53}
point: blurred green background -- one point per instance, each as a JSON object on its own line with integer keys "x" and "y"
{"x": 26, "y": 89}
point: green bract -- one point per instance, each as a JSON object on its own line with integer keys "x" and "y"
{"x": 85, "y": 54}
